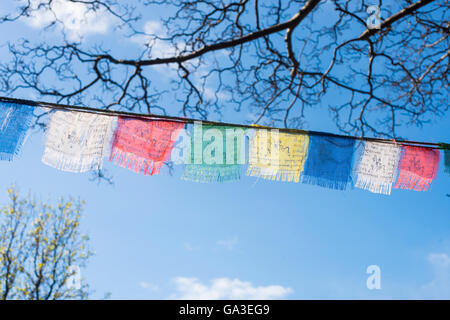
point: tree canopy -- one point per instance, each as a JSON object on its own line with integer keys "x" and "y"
{"x": 42, "y": 250}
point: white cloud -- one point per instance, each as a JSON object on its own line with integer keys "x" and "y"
{"x": 439, "y": 260}
{"x": 439, "y": 287}
{"x": 228, "y": 243}
{"x": 189, "y": 247}
{"x": 76, "y": 18}
{"x": 153, "y": 27}
{"x": 149, "y": 286}
{"x": 224, "y": 288}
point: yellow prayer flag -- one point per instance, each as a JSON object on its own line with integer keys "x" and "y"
{"x": 277, "y": 155}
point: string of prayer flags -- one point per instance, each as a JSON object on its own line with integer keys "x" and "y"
{"x": 277, "y": 156}
{"x": 216, "y": 154}
{"x": 446, "y": 148}
{"x": 77, "y": 141}
{"x": 377, "y": 167}
{"x": 143, "y": 145}
{"x": 418, "y": 167}
{"x": 14, "y": 123}
{"x": 329, "y": 161}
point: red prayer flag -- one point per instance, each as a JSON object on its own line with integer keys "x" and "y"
{"x": 144, "y": 145}
{"x": 418, "y": 168}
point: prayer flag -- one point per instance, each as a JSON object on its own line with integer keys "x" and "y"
{"x": 418, "y": 167}
{"x": 216, "y": 154}
{"x": 277, "y": 155}
{"x": 144, "y": 145}
{"x": 77, "y": 141}
{"x": 329, "y": 161}
{"x": 377, "y": 167}
{"x": 15, "y": 120}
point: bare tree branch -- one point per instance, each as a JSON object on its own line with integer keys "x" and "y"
{"x": 276, "y": 59}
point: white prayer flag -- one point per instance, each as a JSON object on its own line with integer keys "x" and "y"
{"x": 77, "y": 141}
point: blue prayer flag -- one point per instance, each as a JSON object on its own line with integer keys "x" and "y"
{"x": 329, "y": 161}
{"x": 14, "y": 122}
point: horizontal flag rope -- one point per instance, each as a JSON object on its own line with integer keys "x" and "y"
{"x": 208, "y": 122}
{"x": 79, "y": 138}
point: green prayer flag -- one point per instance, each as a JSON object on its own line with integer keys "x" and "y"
{"x": 216, "y": 154}
{"x": 446, "y": 148}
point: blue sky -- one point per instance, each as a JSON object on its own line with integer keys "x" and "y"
{"x": 162, "y": 237}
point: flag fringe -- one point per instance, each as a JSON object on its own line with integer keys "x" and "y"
{"x": 205, "y": 174}
{"x": 373, "y": 185}
{"x": 411, "y": 181}
{"x": 274, "y": 174}
{"x": 61, "y": 161}
{"x": 325, "y": 182}
{"x": 6, "y": 156}
{"x": 135, "y": 163}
